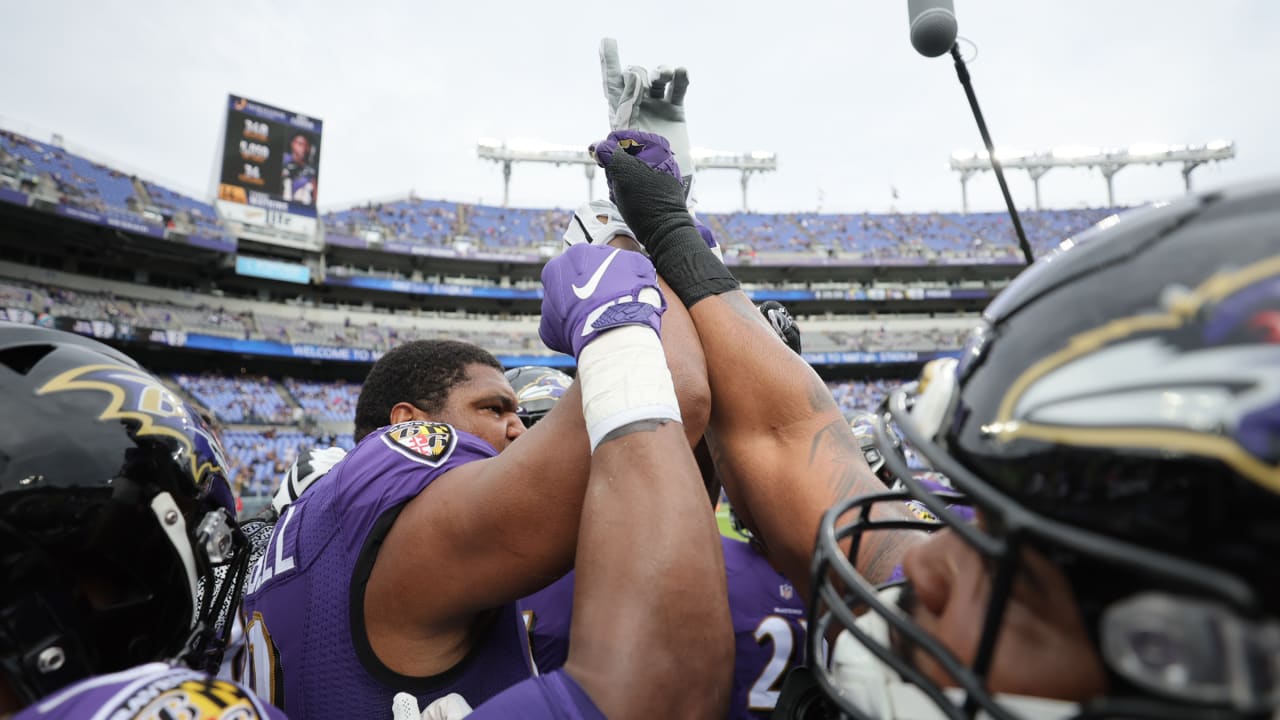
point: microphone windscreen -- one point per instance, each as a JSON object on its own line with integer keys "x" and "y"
{"x": 933, "y": 26}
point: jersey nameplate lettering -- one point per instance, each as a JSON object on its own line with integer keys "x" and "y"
{"x": 428, "y": 443}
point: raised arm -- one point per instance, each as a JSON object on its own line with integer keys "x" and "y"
{"x": 782, "y": 447}
{"x": 501, "y": 528}
{"x": 651, "y": 634}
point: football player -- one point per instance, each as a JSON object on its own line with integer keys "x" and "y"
{"x": 768, "y": 626}
{"x": 538, "y": 388}
{"x": 783, "y": 461}
{"x": 114, "y": 507}
{"x": 400, "y": 569}
{"x": 1115, "y": 421}
{"x": 651, "y": 636}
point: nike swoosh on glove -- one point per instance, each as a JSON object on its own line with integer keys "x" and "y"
{"x": 590, "y": 289}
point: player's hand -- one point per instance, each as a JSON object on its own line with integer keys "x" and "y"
{"x": 590, "y": 289}
{"x": 450, "y": 707}
{"x": 643, "y": 185}
{"x": 310, "y": 466}
{"x": 639, "y": 100}
{"x": 783, "y": 324}
{"x": 599, "y": 223}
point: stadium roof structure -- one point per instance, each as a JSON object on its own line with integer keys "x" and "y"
{"x": 533, "y": 151}
{"x": 506, "y": 153}
{"x": 756, "y": 161}
{"x": 1108, "y": 160}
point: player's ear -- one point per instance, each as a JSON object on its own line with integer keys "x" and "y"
{"x": 404, "y": 412}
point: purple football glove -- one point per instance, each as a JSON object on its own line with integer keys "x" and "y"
{"x": 652, "y": 150}
{"x": 589, "y": 289}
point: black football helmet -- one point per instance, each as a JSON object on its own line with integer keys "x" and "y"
{"x": 1117, "y": 410}
{"x": 863, "y": 426}
{"x": 538, "y": 389}
{"x": 114, "y": 507}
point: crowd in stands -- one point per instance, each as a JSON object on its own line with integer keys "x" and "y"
{"x": 424, "y": 222}
{"x": 327, "y": 401}
{"x": 77, "y": 181}
{"x": 261, "y": 455}
{"x": 243, "y": 399}
{"x": 866, "y": 237}
{"x": 862, "y": 238}
{"x": 869, "y": 237}
{"x": 860, "y": 396}
{"x": 883, "y": 338}
{"x": 42, "y": 301}
{"x": 182, "y": 209}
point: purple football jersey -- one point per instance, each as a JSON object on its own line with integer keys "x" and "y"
{"x": 768, "y": 626}
{"x": 304, "y": 603}
{"x": 768, "y": 630}
{"x": 556, "y": 696}
{"x": 154, "y": 690}
{"x": 547, "y": 614}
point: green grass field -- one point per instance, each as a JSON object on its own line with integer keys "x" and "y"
{"x": 726, "y": 528}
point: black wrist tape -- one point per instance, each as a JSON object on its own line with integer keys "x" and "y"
{"x": 683, "y": 259}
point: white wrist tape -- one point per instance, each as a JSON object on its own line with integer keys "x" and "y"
{"x": 624, "y": 379}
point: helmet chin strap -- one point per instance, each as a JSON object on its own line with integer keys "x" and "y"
{"x": 175, "y": 529}
{"x": 878, "y": 690}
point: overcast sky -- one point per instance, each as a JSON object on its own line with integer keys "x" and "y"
{"x": 406, "y": 88}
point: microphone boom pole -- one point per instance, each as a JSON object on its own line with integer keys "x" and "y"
{"x": 962, "y": 72}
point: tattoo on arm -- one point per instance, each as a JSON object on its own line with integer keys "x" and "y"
{"x": 820, "y": 399}
{"x": 837, "y": 450}
{"x": 836, "y": 456}
{"x": 634, "y": 427}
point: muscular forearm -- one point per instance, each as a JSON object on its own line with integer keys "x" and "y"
{"x": 688, "y": 366}
{"x": 781, "y": 445}
{"x": 651, "y": 634}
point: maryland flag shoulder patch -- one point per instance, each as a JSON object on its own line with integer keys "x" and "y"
{"x": 428, "y": 443}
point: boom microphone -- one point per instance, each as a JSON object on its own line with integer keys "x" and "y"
{"x": 933, "y": 26}
{"x": 933, "y": 33}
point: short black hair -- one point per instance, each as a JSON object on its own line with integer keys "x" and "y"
{"x": 422, "y": 372}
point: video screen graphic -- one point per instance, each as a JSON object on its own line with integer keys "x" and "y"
{"x": 270, "y": 158}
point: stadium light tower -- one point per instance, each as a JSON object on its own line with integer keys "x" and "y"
{"x": 756, "y": 161}
{"x": 1108, "y": 161}
{"x": 533, "y": 151}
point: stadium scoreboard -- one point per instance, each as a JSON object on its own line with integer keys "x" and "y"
{"x": 270, "y": 170}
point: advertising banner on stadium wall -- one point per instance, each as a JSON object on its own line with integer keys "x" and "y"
{"x": 270, "y": 158}
{"x": 112, "y": 221}
{"x": 884, "y": 357}
{"x": 273, "y": 270}
{"x": 422, "y": 288}
{"x": 123, "y": 331}
{"x": 756, "y": 294}
{"x": 13, "y": 196}
{"x": 222, "y": 244}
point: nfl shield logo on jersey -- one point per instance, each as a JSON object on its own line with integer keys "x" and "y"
{"x": 429, "y": 443}
{"x": 786, "y": 591}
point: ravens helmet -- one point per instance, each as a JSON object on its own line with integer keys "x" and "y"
{"x": 114, "y": 507}
{"x": 863, "y": 426}
{"x": 1117, "y": 411}
{"x": 538, "y": 389}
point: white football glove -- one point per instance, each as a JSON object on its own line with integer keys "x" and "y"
{"x": 310, "y": 466}
{"x": 598, "y": 222}
{"x": 652, "y": 103}
{"x": 450, "y": 707}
